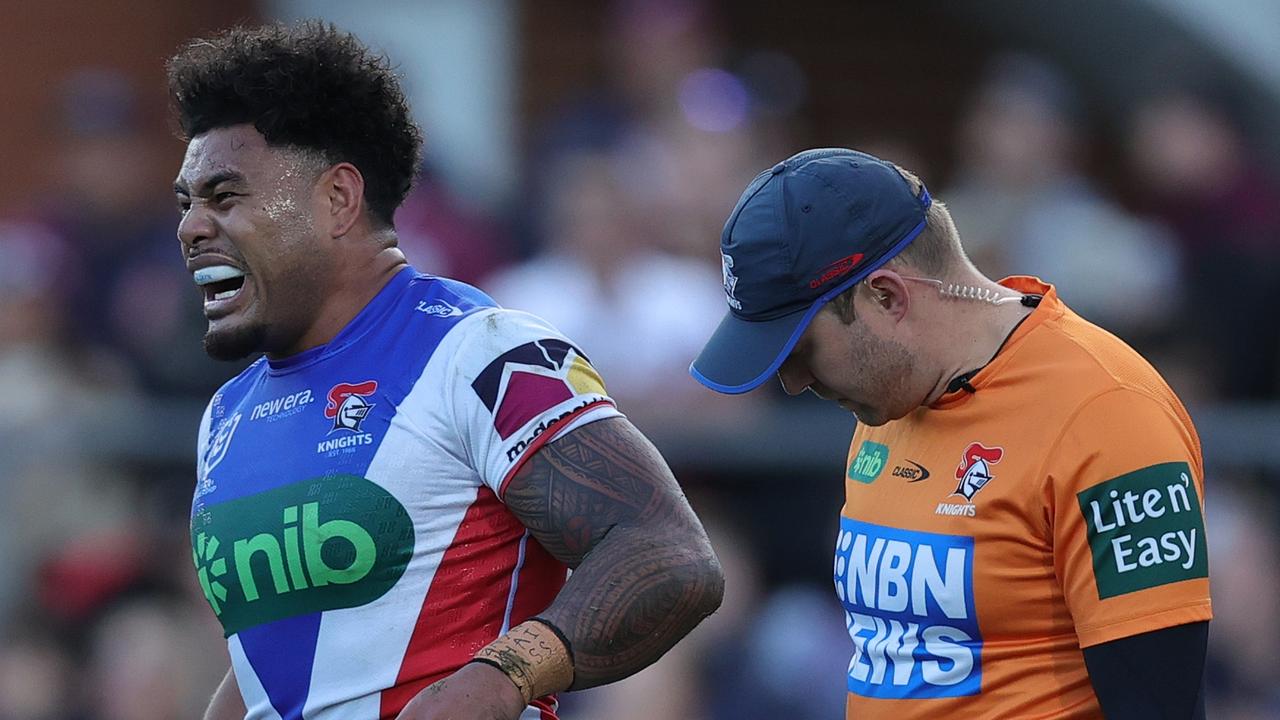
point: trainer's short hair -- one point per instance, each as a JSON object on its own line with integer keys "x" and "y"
{"x": 935, "y": 252}
{"x": 309, "y": 86}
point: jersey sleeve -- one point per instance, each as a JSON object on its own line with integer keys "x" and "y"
{"x": 517, "y": 384}
{"x": 1125, "y": 492}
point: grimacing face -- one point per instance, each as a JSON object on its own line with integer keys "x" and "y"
{"x": 852, "y": 366}
{"x": 247, "y": 235}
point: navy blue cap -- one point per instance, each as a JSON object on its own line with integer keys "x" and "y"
{"x": 803, "y": 232}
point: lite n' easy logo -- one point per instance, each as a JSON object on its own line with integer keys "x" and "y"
{"x": 323, "y": 544}
{"x": 1145, "y": 529}
{"x": 869, "y": 462}
{"x": 909, "y": 608}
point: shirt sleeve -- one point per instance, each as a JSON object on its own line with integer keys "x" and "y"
{"x": 1125, "y": 492}
{"x": 518, "y": 383}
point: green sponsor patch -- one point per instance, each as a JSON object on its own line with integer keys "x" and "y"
{"x": 1145, "y": 529}
{"x": 868, "y": 463}
{"x": 322, "y": 544}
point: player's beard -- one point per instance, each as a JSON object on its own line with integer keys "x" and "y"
{"x": 235, "y": 343}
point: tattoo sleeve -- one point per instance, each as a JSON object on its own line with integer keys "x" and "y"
{"x": 602, "y": 500}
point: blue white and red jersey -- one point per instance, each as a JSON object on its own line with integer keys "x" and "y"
{"x": 348, "y": 528}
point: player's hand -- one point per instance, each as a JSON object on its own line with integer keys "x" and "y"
{"x": 475, "y": 692}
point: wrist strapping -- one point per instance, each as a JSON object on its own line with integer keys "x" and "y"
{"x": 535, "y": 655}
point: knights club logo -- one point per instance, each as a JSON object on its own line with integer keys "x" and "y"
{"x": 347, "y": 406}
{"x": 730, "y": 281}
{"x": 974, "y": 471}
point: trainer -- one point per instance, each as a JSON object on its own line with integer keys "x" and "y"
{"x": 1023, "y": 533}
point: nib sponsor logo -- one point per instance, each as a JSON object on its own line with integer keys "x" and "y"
{"x": 909, "y": 608}
{"x": 869, "y": 462}
{"x": 321, "y": 544}
{"x": 210, "y": 567}
{"x": 1145, "y": 529}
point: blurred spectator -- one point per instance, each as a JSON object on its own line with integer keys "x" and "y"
{"x": 1244, "y": 647}
{"x": 46, "y": 392}
{"x": 441, "y": 236}
{"x": 127, "y": 289}
{"x": 793, "y": 663}
{"x": 35, "y": 676}
{"x": 36, "y": 379}
{"x": 640, "y": 314}
{"x": 689, "y": 131}
{"x": 1023, "y": 207}
{"x": 1207, "y": 181}
{"x": 145, "y": 664}
{"x": 684, "y": 684}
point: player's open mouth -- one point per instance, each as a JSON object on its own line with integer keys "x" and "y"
{"x": 222, "y": 286}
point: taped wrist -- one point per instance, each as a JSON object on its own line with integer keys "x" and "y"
{"x": 535, "y": 655}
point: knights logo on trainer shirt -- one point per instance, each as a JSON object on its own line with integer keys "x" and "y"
{"x": 347, "y": 406}
{"x": 526, "y": 381}
{"x": 974, "y": 471}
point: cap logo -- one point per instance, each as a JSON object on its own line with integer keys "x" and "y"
{"x": 835, "y": 270}
{"x": 730, "y": 281}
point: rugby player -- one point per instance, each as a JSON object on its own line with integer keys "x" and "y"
{"x": 389, "y": 499}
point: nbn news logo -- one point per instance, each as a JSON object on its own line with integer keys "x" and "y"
{"x": 908, "y": 600}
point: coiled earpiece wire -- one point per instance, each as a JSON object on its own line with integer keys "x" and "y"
{"x": 967, "y": 292}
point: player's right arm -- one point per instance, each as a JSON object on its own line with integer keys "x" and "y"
{"x": 226, "y": 703}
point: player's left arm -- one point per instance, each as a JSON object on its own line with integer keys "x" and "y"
{"x": 1159, "y": 674}
{"x": 603, "y": 501}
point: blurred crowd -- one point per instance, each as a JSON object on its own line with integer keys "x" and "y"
{"x": 1169, "y": 236}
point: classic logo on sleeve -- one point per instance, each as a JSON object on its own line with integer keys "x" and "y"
{"x": 1145, "y": 529}
{"x": 908, "y": 600}
{"x": 527, "y": 381}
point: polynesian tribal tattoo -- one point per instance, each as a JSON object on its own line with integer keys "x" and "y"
{"x": 602, "y": 501}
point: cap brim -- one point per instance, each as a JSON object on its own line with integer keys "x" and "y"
{"x": 741, "y": 354}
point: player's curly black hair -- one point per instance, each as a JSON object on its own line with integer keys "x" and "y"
{"x": 310, "y": 86}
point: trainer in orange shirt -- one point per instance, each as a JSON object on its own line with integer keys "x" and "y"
{"x": 1023, "y": 533}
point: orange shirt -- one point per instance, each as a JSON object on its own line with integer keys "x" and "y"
{"x": 989, "y": 537}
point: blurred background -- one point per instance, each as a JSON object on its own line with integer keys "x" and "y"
{"x": 1123, "y": 149}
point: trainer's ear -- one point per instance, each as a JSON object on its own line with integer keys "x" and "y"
{"x": 887, "y": 293}
{"x": 341, "y": 190}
